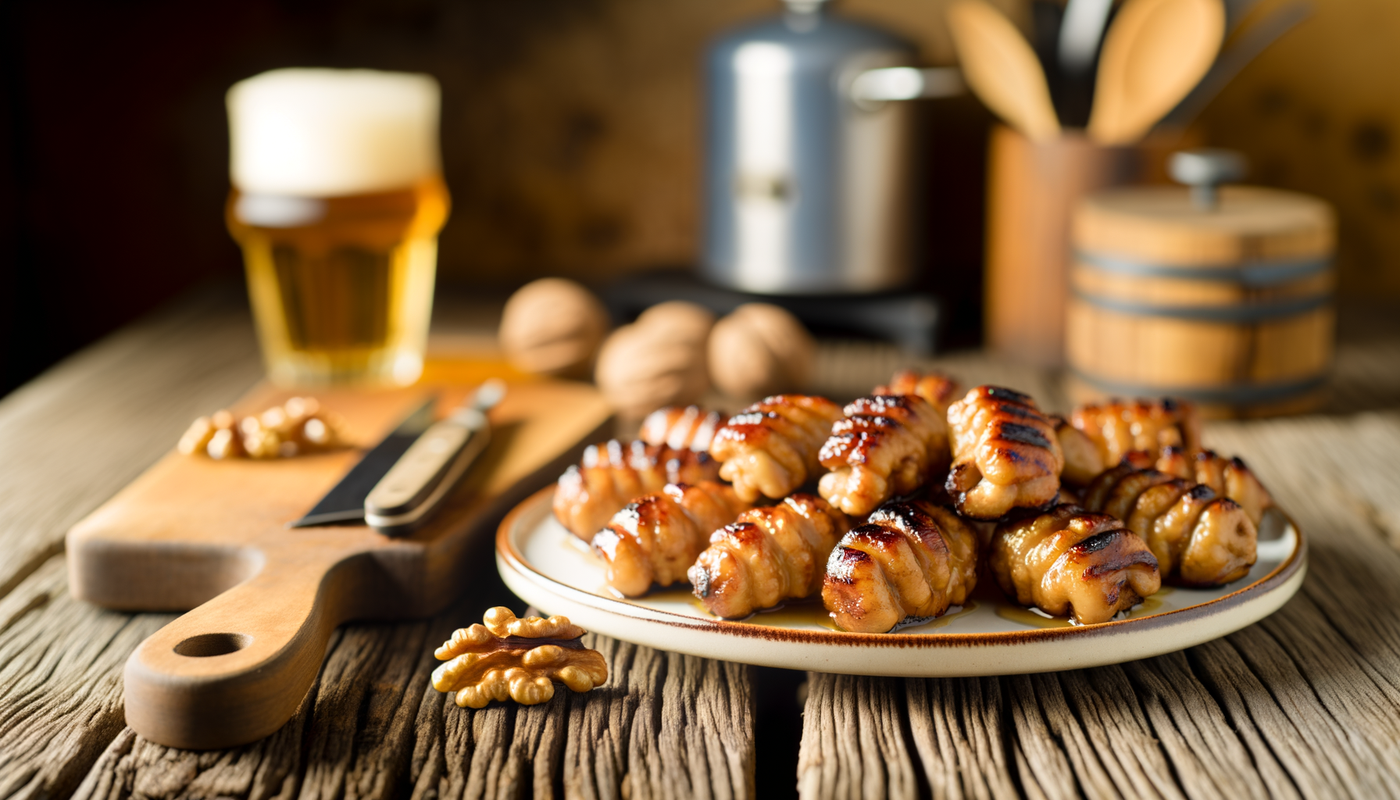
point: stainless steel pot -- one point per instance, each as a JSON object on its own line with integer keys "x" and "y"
{"x": 807, "y": 187}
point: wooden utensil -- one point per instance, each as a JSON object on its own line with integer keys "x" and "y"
{"x": 212, "y": 535}
{"x": 1156, "y": 51}
{"x": 1000, "y": 66}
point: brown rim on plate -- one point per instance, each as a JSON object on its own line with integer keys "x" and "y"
{"x": 507, "y": 555}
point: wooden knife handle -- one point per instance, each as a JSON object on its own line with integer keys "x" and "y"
{"x": 418, "y": 471}
{"x": 236, "y": 668}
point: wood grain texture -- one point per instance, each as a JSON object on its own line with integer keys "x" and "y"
{"x": 211, "y": 536}
{"x": 1153, "y": 54}
{"x": 1121, "y": 328}
{"x": 373, "y": 728}
{"x": 96, "y": 420}
{"x": 1304, "y": 704}
{"x": 1002, "y": 69}
{"x": 60, "y": 680}
{"x": 371, "y": 724}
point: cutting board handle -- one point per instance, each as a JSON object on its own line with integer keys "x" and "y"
{"x": 236, "y": 668}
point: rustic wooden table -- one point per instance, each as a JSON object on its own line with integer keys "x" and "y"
{"x": 1305, "y": 703}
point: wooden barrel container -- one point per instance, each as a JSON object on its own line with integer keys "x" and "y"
{"x": 1225, "y": 300}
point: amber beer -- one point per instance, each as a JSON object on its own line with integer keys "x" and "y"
{"x": 337, "y": 203}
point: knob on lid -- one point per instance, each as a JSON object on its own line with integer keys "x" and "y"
{"x": 1205, "y": 168}
{"x": 1208, "y": 225}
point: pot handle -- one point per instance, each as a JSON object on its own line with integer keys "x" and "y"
{"x": 875, "y": 87}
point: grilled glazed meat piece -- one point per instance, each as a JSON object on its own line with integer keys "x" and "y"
{"x": 611, "y": 473}
{"x": 1005, "y": 454}
{"x": 1199, "y": 537}
{"x": 766, "y": 556}
{"x": 912, "y": 559}
{"x": 1071, "y": 561}
{"x": 656, "y": 537}
{"x": 1083, "y": 461}
{"x": 887, "y": 446}
{"x": 770, "y": 448}
{"x": 935, "y": 387}
{"x": 681, "y": 427}
{"x": 1230, "y": 478}
{"x": 1120, "y": 426}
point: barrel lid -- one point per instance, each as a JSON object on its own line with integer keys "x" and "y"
{"x": 1161, "y": 224}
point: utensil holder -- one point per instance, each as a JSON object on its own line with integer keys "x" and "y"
{"x": 1032, "y": 190}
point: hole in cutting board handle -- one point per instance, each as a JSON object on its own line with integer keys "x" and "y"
{"x": 213, "y": 644}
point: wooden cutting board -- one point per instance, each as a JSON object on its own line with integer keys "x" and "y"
{"x": 212, "y": 536}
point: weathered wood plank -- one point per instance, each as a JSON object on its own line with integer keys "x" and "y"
{"x": 957, "y": 724}
{"x": 60, "y": 683}
{"x": 1193, "y": 731}
{"x": 1287, "y": 761}
{"x": 1306, "y": 703}
{"x": 704, "y": 740}
{"x": 91, "y": 424}
{"x": 599, "y": 738}
{"x": 372, "y": 727}
{"x": 664, "y": 726}
{"x": 853, "y": 742}
{"x": 1041, "y": 761}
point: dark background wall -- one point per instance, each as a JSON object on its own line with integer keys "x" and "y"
{"x": 571, "y": 140}
{"x": 570, "y": 137}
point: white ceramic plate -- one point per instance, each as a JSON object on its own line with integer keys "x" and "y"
{"x": 553, "y": 570}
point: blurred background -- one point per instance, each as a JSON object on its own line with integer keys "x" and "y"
{"x": 572, "y": 139}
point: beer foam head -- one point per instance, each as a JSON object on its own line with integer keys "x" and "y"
{"x": 328, "y": 132}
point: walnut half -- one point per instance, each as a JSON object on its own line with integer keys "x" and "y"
{"x": 296, "y": 427}
{"x": 516, "y": 658}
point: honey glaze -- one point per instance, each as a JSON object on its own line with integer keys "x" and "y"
{"x": 812, "y": 612}
{"x": 794, "y": 615}
{"x": 1033, "y": 617}
{"x": 677, "y": 593}
{"x": 574, "y": 544}
{"x": 790, "y": 615}
{"x": 928, "y": 625}
{"x": 1036, "y": 618}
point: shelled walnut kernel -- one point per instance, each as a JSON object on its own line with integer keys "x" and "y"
{"x": 293, "y": 428}
{"x": 516, "y": 658}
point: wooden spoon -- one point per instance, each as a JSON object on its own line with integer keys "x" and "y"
{"x": 1000, "y": 66}
{"x": 1155, "y": 53}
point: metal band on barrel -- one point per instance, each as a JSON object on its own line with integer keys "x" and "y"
{"x": 1256, "y": 312}
{"x": 1249, "y": 273}
{"x": 1230, "y": 394}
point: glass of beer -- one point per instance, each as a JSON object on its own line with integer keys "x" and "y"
{"x": 337, "y": 202}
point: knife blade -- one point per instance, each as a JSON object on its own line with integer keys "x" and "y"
{"x": 402, "y": 480}
{"x": 345, "y": 502}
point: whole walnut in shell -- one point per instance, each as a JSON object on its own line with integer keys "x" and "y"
{"x": 759, "y": 350}
{"x": 656, "y": 361}
{"x": 553, "y": 326}
{"x": 678, "y": 320}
